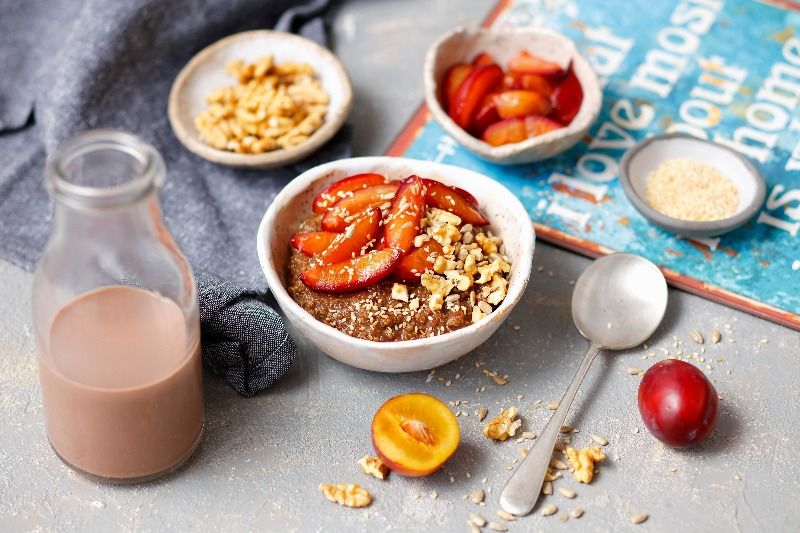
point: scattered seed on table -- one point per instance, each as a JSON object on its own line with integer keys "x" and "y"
{"x": 633, "y": 371}
{"x": 602, "y": 441}
{"x": 548, "y": 510}
{"x": 497, "y": 527}
{"x": 528, "y": 435}
{"x": 473, "y": 528}
{"x": 558, "y": 464}
{"x": 639, "y": 518}
{"x": 505, "y": 515}
{"x": 696, "y": 336}
{"x": 715, "y": 336}
{"x": 552, "y": 406}
{"x": 577, "y": 512}
{"x": 434, "y": 495}
{"x": 567, "y": 493}
{"x": 565, "y": 429}
{"x": 563, "y": 517}
{"x": 547, "y": 488}
{"x": 477, "y": 496}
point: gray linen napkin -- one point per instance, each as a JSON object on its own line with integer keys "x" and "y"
{"x": 71, "y": 65}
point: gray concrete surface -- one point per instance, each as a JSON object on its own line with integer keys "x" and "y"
{"x": 261, "y": 459}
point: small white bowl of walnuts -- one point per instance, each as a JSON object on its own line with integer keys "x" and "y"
{"x": 259, "y": 99}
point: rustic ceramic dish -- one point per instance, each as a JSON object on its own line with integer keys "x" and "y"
{"x": 645, "y": 156}
{"x": 508, "y": 218}
{"x": 462, "y": 45}
{"x": 206, "y": 71}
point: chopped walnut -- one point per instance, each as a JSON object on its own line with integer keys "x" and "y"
{"x": 582, "y": 461}
{"x": 437, "y": 216}
{"x": 347, "y": 494}
{"x": 437, "y": 285}
{"x": 503, "y": 425}
{"x": 272, "y": 106}
{"x": 421, "y": 239}
{"x": 373, "y": 466}
{"x": 487, "y": 244}
{"x": 399, "y": 292}
{"x": 435, "y": 302}
{"x": 471, "y": 261}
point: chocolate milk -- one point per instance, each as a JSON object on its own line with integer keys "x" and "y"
{"x": 122, "y": 385}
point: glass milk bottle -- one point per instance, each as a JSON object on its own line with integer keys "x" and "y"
{"x": 115, "y": 316}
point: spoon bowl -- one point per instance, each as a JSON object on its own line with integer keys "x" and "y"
{"x": 619, "y": 301}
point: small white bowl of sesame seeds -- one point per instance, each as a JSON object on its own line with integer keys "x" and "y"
{"x": 690, "y": 186}
{"x": 507, "y": 218}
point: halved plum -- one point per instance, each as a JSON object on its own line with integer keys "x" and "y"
{"x": 352, "y": 274}
{"x": 340, "y": 214}
{"x": 414, "y": 434}
{"x": 341, "y": 188}
{"x": 514, "y": 130}
{"x": 356, "y": 239}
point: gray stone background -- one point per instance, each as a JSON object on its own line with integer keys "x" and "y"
{"x": 261, "y": 459}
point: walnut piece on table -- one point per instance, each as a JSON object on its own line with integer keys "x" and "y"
{"x": 582, "y": 461}
{"x": 346, "y": 494}
{"x": 503, "y": 425}
{"x": 373, "y": 466}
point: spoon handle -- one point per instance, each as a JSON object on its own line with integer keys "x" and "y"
{"x": 522, "y": 491}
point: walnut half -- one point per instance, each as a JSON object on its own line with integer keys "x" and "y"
{"x": 503, "y": 425}
{"x": 347, "y": 494}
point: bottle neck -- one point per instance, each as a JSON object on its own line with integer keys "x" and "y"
{"x": 116, "y": 226}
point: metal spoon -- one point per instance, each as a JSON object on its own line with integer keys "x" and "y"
{"x": 618, "y": 302}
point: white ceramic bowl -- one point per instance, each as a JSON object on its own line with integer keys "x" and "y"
{"x": 462, "y": 45}
{"x": 206, "y": 71}
{"x": 508, "y": 218}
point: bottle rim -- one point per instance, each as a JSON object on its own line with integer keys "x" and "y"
{"x": 148, "y": 179}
